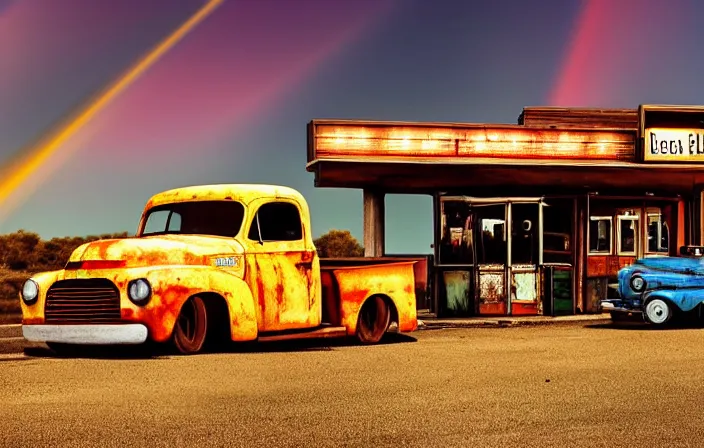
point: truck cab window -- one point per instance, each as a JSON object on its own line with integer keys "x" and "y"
{"x": 156, "y": 222}
{"x": 214, "y": 218}
{"x": 278, "y": 221}
{"x": 600, "y": 235}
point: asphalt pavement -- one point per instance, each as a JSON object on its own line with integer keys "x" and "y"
{"x": 570, "y": 385}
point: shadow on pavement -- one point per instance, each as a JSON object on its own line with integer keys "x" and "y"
{"x": 683, "y": 324}
{"x": 163, "y": 351}
{"x": 98, "y": 352}
{"x": 321, "y": 344}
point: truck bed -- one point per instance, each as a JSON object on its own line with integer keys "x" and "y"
{"x": 421, "y": 270}
{"x": 347, "y": 282}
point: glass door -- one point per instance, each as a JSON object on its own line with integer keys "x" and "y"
{"x": 558, "y": 225}
{"x": 455, "y": 258}
{"x": 491, "y": 257}
{"x": 525, "y": 258}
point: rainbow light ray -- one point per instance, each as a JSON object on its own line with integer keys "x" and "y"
{"x": 47, "y": 146}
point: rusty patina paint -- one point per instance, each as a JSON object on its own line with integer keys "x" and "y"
{"x": 34, "y": 314}
{"x": 524, "y": 284}
{"x": 330, "y": 297}
{"x": 272, "y": 286}
{"x": 162, "y": 250}
{"x": 180, "y": 266}
{"x": 171, "y": 287}
{"x": 285, "y": 281}
{"x": 491, "y": 284}
{"x": 244, "y": 193}
{"x": 393, "y": 280}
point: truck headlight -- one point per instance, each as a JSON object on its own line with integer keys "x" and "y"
{"x": 30, "y": 291}
{"x": 139, "y": 291}
{"x": 637, "y": 283}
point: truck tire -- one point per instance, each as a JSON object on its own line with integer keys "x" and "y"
{"x": 191, "y": 327}
{"x": 373, "y": 320}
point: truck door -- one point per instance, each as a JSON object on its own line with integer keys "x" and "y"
{"x": 279, "y": 268}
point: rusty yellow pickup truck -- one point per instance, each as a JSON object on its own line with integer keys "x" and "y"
{"x": 215, "y": 261}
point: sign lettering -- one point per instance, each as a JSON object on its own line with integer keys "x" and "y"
{"x": 674, "y": 145}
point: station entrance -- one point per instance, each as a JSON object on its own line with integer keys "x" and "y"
{"x": 494, "y": 253}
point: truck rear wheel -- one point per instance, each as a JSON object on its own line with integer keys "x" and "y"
{"x": 373, "y": 321}
{"x": 191, "y": 327}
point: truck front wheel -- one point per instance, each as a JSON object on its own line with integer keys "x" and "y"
{"x": 191, "y": 327}
{"x": 373, "y": 320}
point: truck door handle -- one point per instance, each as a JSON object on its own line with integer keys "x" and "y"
{"x": 305, "y": 264}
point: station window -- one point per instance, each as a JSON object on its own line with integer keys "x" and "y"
{"x": 600, "y": 235}
{"x": 524, "y": 233}
{"x": 456, "y": 238}
{"x": 278, "y": 221}
{"x": 658, "y": 233}
{"x": 627, "y": 234}
{"x": 558, "y": 215}
{"x": 492, "y": 243}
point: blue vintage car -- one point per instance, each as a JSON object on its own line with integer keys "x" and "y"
{"x": 660, "y": 287}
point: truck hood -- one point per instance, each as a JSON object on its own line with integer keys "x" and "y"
{"x": 673, "y": 264}
{"x": 157, "y": 251}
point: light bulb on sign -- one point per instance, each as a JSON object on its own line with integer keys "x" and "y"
{"x": 429, "y": 144}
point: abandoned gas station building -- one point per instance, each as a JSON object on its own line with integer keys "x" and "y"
{"x": 531, "y": 218}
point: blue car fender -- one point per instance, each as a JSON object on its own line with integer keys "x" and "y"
{"x": 679, "y": 300}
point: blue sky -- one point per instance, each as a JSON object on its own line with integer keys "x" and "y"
{"x": 230, "y": 103}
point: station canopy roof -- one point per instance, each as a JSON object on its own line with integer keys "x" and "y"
{"x": 551, "y": 149}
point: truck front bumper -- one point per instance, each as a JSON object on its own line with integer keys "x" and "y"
{"x": 87, "y": 334}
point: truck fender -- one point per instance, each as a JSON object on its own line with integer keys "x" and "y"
{"x": 393, "y": 281}
{"x": 172, "y": 287}
{"x": 240, "y": 304}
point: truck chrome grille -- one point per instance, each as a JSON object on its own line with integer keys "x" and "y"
{"x": 94, "y": 300}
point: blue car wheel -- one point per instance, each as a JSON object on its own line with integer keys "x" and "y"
{"x": 657, "y": 311}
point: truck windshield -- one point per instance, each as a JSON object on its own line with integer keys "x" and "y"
{"x": 217, "y": 218}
